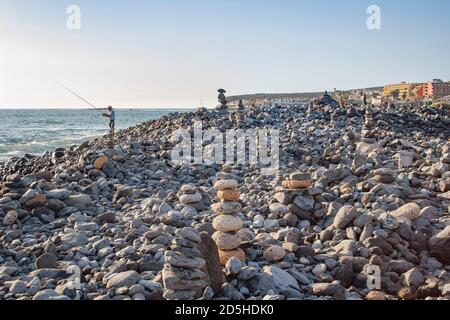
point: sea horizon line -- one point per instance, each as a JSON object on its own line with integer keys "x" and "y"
{"x": 87, "y": 108}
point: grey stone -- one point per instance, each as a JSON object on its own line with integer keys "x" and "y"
{"x": 234, "y": 265}
{"x": 284, "y": 282}
{"x": 123, "y": 279}
{"x": 178, "y": 260}
{"x": 47, "y": 261}
{"x": 46, "y": 294}
{"x": 344, "y": 216}
{"x": 413, "y": 278}
{"x": 80, "y": 201}
{"x": 59, "y": 194}
{"x": 304, "y": 203}
{"x": 18, "y": 287}
{"x": 74, "y": 240}
{"x": 215, "y": 275}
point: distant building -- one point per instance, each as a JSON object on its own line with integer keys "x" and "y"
{"x": 436, "y": 88}
{"x": 286, "y": 102}
{"x": 402, "y": 90}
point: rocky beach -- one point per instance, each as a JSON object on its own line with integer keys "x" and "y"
{"x": 359, "y": 209}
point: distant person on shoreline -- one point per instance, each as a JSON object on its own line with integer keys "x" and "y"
{"x": 364, "y": 98}
{"x": 112, "y": 119}
{"x": 341, "y": 101}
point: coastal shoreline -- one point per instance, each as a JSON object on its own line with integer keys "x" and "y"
{"x": 36, "y": 142}
{"x": 357, "y": 188}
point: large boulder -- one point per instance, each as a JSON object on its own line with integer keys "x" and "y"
{"x": 79, "y": 201}
{"x": 47, "y": 261}
{"x": 284, "y": 282}
{"x": 215, "y": 275}
{"x": 74, "y": 240}
{"x": 410, "y": 211}
{"x": 439, "y": 246}
{"x": 100, "y": 162}
{"x": 123, "y": 279}
{"x": 59, "y": 194}
{"x": 344, "y": 216}
{"x": 274, "y": 253}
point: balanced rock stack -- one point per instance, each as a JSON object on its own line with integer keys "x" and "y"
{"x": 227, "y": 223}
{"x": 334, "y": 118}
{"x": 351, "y": 112}
{"x": 446, "y": 154}
{"x": 310, "y": 109}
{"x": 297, "y": 180}
{"x": 367, "y": 134}
{"x": 222, "y": 99}
{"x": 189, "y": 196}
{"x": 240, "y": 114}
{"x": 239, "y": 118}
{"x": 444, "y": 184}
{"x": 384, "y": 175}
{"x": 183, "y": 275}
{"x": 291, "y": 204}
{"x": 111, "y": 140}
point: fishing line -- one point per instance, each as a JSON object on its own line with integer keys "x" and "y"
{"x": 80, "y": 97}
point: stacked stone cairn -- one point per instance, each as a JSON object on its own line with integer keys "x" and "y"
{"x": 445, "y": 159}
{"x": 367, "y": 133}
{"x": 190, "y": 203}
{"x": 290, "y": 205}
{"x": 291, "y": 202}
{"x": 190, "y": 197}
{"x": 240, "y": 113}
{"x": 222, "y": 99}
{"x": 351, "y": 112}
{"x": 310, "y": 109}
{"x": 334, "y": 118}
{"x": 227, "y": 222}
{"x": 111, "y": 140}
{"x": 444, "y": 184}
{"x": 385, "y": 176}
{"x": 298, "y": 180}
{"x": 183, "y": 274}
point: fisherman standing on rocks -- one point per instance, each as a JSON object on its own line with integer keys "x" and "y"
{"x": 112, "y": 119}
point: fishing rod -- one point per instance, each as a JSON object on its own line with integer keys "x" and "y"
{"x": 80, "y": 97}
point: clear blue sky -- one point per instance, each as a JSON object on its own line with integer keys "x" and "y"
{"x": 174, "y": 53}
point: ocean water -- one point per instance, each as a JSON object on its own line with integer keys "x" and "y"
{"x": 36, "y": 131}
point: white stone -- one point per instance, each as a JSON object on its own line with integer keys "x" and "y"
{"x": 274, "y": 253}
{"x": 226, "y": 184}
{"x": 227, "y": 223}
{"x": 190, "y": 198}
